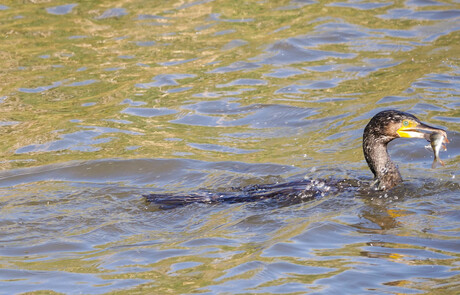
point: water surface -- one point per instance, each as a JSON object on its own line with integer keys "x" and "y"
{"x": 102, "y": 102}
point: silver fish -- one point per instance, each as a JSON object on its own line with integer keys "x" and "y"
{"x": 437, "y": 141}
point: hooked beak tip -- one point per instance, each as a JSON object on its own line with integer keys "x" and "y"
{"x": 423, "y": 127}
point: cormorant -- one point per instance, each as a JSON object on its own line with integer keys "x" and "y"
{"x": 384, "y": 127}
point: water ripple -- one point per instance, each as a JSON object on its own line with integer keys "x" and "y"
{"x": 361, "y": 5}
{"x": 113, "y": 12}
{"x": 220, "y": 148}
{"x": 148, "y": 112}
{"x": 165, "y": 80}
{"x": 61, "y": 10}
{"x": 285, "y": 53}
{"x": 421, "y": 15}
{"x": 41, "y": 88}
{"x": 84, "y": 141}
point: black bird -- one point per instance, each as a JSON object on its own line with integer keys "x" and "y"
{"x": 381, "y": 129}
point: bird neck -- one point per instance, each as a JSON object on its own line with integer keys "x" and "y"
{"x": 386, "y": 173}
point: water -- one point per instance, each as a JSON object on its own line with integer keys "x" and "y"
{"x": 103, "y": 102}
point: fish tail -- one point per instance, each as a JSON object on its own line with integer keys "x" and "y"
{"x": 435, "y": 161}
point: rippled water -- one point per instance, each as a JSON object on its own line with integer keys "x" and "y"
{"x": 102, "y": 102}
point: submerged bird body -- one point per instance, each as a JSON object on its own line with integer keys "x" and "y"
{"x": 290, "y": 192}
{"x": 381, "y": 129}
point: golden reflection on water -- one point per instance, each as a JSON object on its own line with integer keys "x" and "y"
{"x": 43, "y": 50}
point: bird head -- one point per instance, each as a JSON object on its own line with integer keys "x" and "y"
{"x": 396, "y": 124}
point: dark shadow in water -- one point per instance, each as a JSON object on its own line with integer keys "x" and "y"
{"x": 381, "y": 213}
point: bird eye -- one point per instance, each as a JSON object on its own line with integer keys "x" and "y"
{"x": 406, "y": 123}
